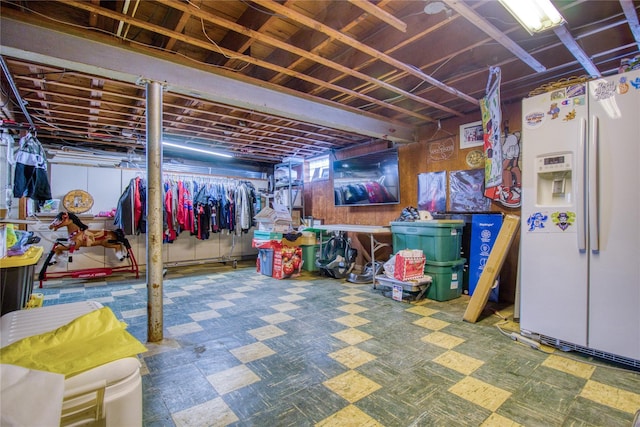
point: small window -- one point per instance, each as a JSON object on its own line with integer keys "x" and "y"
{"x": 318, "y": 168}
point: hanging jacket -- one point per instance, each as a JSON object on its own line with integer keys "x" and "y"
{"x": 139, "y": 199}
{"x": 181, "y": 207}
{"x": 30, "y": 177}
{"x": 130, "y": 215}
{"x": 169, "y": 231}
{"x": 123, "y": 218}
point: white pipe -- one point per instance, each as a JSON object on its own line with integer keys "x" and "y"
{"x": 6, "y": 147}
{"x": 125, "y": 8}
{"x": 133, "y": 13}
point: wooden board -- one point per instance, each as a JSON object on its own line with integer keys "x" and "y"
{"x": 492, "y": 268}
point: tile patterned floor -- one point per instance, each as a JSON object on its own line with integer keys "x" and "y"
{"x": 243, "y": 349}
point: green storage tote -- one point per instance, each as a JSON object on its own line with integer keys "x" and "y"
{"x": 309, "y": 255}
{"x": 446, "y": 279}
{"x": 440, "y": 240}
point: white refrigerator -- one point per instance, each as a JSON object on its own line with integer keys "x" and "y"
{"x": 580, "y": 230}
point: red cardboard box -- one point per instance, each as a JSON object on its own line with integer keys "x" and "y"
{"x": 287, "y": 261}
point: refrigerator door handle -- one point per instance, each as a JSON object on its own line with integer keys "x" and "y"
{"x": 581, "y": 194}
{"x": 594, "y": 220}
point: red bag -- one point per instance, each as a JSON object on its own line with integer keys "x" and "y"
{"x": 409, "y": 265}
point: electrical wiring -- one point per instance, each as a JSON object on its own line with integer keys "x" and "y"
{"x": 204, "y": 31}
{"x": 84, "y": 27}
{"x": 497, "y": 314}
{"x": 397, "y": 97}
{"x": 266, "y": 12}
{"x": 414, "y": 89}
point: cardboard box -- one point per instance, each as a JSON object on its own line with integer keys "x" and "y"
{"x": 287, "y": 261}
{"x": 276, "y": 219}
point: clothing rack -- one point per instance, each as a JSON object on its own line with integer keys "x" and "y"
{"x": 211, "y": 205}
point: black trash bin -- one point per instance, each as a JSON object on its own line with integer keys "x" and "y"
{"x": 16, "y": 274}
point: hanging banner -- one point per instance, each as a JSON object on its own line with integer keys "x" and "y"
{"x": 508, "y": 193}
{"x": 491, "y": 124}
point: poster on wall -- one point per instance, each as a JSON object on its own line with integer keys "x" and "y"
{"x": 471, "y": 135}
{"x": 492, "y": 124}
{"x": 509, "y": 191}
{"x": 466, "y": 191}
{"x": 432, "y": 191}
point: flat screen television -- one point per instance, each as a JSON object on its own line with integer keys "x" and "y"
{"x": 368, "y": 179}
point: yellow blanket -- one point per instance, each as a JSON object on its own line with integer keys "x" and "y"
{"x": 88, "y": 341}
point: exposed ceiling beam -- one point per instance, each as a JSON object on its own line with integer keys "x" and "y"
{"x": 203, "y": 44}
{"x": 381, "y": 14}
{"x": 472, "y": 16}
{"x": 36, "y": 43}
{"x": 565, "y": 36}
{"x": 350, "y": 41}
{"x": 264, "y": 38}
{"x": 630, "y": 12}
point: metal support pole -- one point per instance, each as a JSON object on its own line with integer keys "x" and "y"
{"x": 154, "y": 211}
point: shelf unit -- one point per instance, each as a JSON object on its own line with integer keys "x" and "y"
{"x": 289, "y": 185}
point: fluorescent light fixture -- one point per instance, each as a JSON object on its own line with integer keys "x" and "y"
{"x": 534, "y": 15}
{"x": 198, "y": 150}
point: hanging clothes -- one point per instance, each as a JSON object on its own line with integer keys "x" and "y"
{"x": 216, "y": 194}
{"x": 130, "y": 212}
{"x": 169, "y": 211}
{"x": 30, "y": 178}
{"x": 202, "y": 211}
{"x": 140, "y": 206}
{"x": 181, "y": 212}
{"x": 245, "y": 198}
{"x": 189, "y": 214}
{"x": 203, "y": 207}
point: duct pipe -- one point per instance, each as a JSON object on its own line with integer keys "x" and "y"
{"x": 125, "y": 9}
{"x": 154, "y": 212}
{"x": 14, "y": 88}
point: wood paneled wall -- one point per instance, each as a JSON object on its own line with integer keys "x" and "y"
{"x": 416, "y": 158}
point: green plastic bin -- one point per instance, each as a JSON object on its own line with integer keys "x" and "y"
{"x": 309, "y": 255}
{"x": 446, "y": 279}
{"x": 439, "y": 240}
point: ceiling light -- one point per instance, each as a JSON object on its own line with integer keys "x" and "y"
{"x": 198, "y": 150}
{"x": 534, "y": 15}
{"x": 435, "y": 7}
